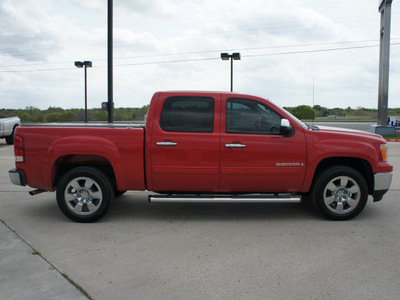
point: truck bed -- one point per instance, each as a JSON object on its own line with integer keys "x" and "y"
{"x": 51, "y": 148}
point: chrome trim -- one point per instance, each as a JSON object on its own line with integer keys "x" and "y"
{"x": 235, "y": 146}
{"x": 166, "y": 144}
{"x": 290, "y": 199}
{"x": 382, "y": 181}
{"x": 285, "y": 123}
{"x": 17, "y": 177}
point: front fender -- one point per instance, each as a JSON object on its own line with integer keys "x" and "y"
{"x": 327, "y": 145}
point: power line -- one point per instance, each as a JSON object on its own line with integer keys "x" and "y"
{"x": 318, "y": 50}
{"x": 201, "y": 52}
{"x": 268, "y": 29}
{"x": 206, "y": 59}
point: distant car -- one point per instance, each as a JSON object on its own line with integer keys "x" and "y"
{"x": 7, "y": 128}
{"x": 332, "y": 117}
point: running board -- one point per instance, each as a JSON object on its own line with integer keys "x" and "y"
{"x": 225, "y": 199}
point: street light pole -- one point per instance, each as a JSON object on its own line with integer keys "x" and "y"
{"x": 233, "y": 56}
{"x": 86, "y": 64}
{"x": 231, "y": 75}
{"x": 86, "y": 118}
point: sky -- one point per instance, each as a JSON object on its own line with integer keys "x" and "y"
{"x": 298, "y": 52}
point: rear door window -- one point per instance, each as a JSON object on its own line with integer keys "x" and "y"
{"x": 188, "y": 114}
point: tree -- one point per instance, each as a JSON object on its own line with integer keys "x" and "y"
{"x": 53, "y": 117}
{"x": 38, "y": 118}
{"x": 25, "y": 117}
{"x": 100, "y": 115}
{"x": 67, "y": 116}
{"x": 304, "y": 112}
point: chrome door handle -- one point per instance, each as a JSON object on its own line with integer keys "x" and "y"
{"x": 235, "y": 146}
{"x": 166, "y": 144}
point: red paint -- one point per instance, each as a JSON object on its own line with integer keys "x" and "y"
{"x": 199, "y": 162}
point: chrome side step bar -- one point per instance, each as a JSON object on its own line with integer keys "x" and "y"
{"x": 225, "y": 199}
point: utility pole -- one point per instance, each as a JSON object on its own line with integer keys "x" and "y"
{"x": 110, "y": 105}
{"x": 384, "y": 54}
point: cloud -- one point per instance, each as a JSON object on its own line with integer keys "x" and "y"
{"x": 24, "y": 28}
{"x": 100, "y": 5}
{"x": 162, "y": 45}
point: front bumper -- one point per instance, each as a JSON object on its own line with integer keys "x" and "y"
{"x": 382, "y": 182}
{"x": 17, "y": 177}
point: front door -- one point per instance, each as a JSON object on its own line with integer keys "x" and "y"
{"x": 255, "y": 156}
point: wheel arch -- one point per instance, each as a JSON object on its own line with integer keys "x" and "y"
{"x": 68, "y": 162}
{"x": 359, "y": 164}
{"x": 10, "y": 138}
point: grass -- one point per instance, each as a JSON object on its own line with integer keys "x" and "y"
{"x": 77, "y": 286}
{"x": 397, "y": 136}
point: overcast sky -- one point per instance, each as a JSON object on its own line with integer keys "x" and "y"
{"x": 176, "y": 45}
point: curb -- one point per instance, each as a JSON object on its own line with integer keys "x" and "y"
{"x": 393, "y": 140}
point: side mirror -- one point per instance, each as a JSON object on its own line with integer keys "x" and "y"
{"x": 286, "y": 129}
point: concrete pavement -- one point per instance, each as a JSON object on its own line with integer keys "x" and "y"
{"x": 197, "y": 251}
{"x": 24, "y": 273}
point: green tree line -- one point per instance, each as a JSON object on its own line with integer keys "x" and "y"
{"x": 308, "y": 112}
{"x": 57, "y": 114}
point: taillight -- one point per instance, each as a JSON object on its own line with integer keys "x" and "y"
{"x": 19, "y": 149}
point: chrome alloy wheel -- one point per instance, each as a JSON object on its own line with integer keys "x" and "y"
{"x": 83, "y": 196}
{"x": 342, "y": 195}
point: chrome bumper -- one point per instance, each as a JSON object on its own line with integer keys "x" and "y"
{"x": 382, "y": 182}
{"x": 17, "y": 177}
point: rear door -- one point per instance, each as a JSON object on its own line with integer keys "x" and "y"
{"x": 185, "y": 144}
{"x": 255, "y": 156}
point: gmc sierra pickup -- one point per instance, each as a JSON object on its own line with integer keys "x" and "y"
{"x": 204, "y": 147}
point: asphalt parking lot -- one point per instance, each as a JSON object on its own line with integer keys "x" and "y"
{"x": 196, "y": 251}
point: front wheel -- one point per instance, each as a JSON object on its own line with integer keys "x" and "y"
{"x": 85, "y": 194}
{"x": 340, "y": 193}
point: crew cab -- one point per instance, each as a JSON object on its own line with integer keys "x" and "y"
{"x": 204, "y": 147}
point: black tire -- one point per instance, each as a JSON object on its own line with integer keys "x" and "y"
{"x": 340, "y": 193}
{"x": 10, "y": 138}
{"x": 85, "y": 194}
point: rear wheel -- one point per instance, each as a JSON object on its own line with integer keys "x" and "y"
{"x": 340, "y": 193}
{"x": 85, "y": 194}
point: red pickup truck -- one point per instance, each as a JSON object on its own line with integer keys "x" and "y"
{"x": 204, "y": 147}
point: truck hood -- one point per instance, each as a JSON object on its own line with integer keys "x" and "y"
{"x": 349, "y": 132}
